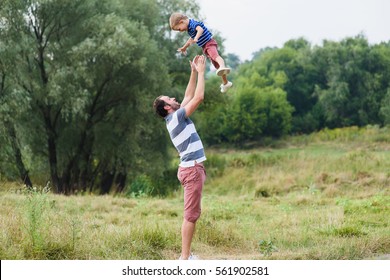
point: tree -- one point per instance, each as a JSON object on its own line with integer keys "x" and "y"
{"x": 385, "y": 108}
{"x": 356, "y": 80}
{"x": 10, "y": 106}
{"x": 258, "y": 112}
{"x": 90, "y": 74}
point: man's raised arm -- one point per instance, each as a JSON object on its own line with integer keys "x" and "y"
{"x": 200, "y": 66}
{"x": 190, "y": 90}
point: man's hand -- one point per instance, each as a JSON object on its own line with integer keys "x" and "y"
{"x": 199, "y": 63}
{"x": 192, "y": 64}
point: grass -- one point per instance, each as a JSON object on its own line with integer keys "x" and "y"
{"x": 322, "y": 196}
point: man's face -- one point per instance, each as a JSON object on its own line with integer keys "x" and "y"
{"x": 171, "y": 101}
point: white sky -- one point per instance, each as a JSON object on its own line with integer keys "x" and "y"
{"x": 249, "y": 25}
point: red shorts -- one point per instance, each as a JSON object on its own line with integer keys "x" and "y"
{"x": 192, "y": 179}
{"x": 210, "y": 49}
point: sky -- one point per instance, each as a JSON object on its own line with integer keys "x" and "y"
{"x": 250, "y": 25}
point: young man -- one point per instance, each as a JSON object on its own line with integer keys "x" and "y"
{"x": 191, "y": 172}
{"x": 200, "y": 35}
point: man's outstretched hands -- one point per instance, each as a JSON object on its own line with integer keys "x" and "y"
{"x": 198, "y": 64}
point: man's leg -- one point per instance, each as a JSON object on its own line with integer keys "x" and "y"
{"x": 192, "y": 179}
{"x": 187, "y": 232}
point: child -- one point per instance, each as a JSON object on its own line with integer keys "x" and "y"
{"x": 200, "y": 35}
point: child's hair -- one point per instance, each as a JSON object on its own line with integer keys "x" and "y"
{"x": 176, "y": 18}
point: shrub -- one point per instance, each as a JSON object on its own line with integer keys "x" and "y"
{"x": 141, "y": 185}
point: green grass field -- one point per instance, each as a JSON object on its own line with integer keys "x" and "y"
{"x": 321, "y": 196}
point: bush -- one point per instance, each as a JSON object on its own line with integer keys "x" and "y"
{"x": 161, "y": 186}
{"x": 167, "y": 183}
{"x": 256, "y": 113}
{"x": 215, "y": 165}
{"x": 141, "y": 185}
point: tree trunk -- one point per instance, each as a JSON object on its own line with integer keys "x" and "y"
{"x": 23, "y": 173}
{"x": 120, "y": 182}
{"x": 53, "y": 165}
{"x": 106, "y": 183}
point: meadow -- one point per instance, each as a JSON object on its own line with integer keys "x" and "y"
{"x": 320, "y": 196}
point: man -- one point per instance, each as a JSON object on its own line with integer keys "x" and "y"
{"x": 191, "y": 172}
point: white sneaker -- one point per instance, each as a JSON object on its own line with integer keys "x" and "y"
{"x": 223, "y": 71}
{"x": 225, "y": 88}
{"x": 191, "y": 258}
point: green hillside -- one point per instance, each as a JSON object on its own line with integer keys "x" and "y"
{"x": 321, "y": 196}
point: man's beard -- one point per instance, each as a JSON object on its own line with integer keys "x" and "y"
{"x": 175, "y": 106}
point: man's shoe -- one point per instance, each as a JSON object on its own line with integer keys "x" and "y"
{"x": 225, "y": 88}
{"x": 191, "y": 258}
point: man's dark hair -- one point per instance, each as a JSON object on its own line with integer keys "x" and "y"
{"x": 158, "y": 106}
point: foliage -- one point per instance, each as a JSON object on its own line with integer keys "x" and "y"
{"x": 142, "y": 185}
{"x": 266, "y": 247}
{"x": 334, "y": 85}
{"x": 385, "y": 108}
{"x": 78, "y": 81}
{"x": 161, "y": 186}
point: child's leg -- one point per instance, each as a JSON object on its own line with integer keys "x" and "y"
{"x": 220, "y": 61}
{"x": 211, "y": 51}
{"x": 225, "y": 84}
{"x": 224, "y": 79}
{"x": 222, "y": 70}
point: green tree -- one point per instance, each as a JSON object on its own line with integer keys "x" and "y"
{"x": 356, "y": 80}
{"x": 258, "y": 112}
{"x": 11, "y": 104}
{"x": 385, "y": 108}
{"x": 90, "y": 72}
{"x": 233, "y": 61}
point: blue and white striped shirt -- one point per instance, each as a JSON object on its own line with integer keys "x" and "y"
{"x": 204, "y": 38}
{"x": 185, "y": 138}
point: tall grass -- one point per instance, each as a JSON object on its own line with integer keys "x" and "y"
{"x": 323, "y": 196}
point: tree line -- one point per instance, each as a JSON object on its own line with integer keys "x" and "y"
{"x": 301, "y": 88}
{"x": 77, "y": 80}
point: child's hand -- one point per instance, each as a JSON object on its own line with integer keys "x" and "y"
{"x": 182, "y": 50}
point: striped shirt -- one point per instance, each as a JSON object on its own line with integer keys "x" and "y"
{"x": 206, "y": 35}
{"x": 185, "y": 138}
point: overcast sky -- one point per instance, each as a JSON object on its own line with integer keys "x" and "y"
{"x": 249, "y": 25}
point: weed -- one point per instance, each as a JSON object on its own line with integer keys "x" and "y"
{"x": 216, "y": 234}
{"x": 267, "y": 247}
{"x": 36, "y": 206}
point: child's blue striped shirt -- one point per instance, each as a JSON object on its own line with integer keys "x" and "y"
{"x": 204, "y": 38}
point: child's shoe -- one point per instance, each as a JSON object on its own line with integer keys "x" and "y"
{"x": 223, "y": 71}
{"x": 225, "y": 88}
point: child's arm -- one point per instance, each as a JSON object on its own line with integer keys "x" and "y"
{"x": 183, "y": 49}
{"x": 198, "y": 33}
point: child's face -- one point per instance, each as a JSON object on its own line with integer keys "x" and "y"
{"x": 181, "y": 26}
